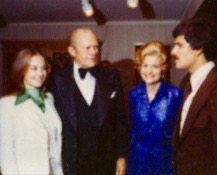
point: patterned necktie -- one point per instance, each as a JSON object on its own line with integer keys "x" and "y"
{"x": 83, "y": 71}
{"x": 35, "y": 94}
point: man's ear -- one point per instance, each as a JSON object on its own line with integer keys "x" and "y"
{"x": 71, "y": 51}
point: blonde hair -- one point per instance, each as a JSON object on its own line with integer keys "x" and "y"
{"x": 154, "y": 48}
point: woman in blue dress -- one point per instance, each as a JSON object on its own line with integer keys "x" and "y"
{"x": 153, "y": 108}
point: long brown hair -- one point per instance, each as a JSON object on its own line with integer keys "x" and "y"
{"x": 19, "y": 68}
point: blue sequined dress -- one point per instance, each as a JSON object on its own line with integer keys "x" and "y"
{"x": 152, "y": 125}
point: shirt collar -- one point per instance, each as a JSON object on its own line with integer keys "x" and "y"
{"x": 30, "y": 93}
{"x": 77, "y": 75}
{"x": 75, "y": 70}
{"x": 22, "y": 97}
{"x": 201, "y": 74}
{"x": 76, "y": 66}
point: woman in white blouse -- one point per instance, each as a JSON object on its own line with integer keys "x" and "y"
{"x": 30, "y": 128}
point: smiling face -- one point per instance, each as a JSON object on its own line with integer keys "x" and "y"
{"x": 151, "y": 69}
{"x": 36, "y": 73}
{"x": 185, "y": 56}
{"x": 85, "y": 48}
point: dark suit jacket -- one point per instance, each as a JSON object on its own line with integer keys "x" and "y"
{"x": 112, "y": 121}
{"x": 195, "y": 151}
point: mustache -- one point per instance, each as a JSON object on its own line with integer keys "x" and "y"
{"x": 174, "y": 57}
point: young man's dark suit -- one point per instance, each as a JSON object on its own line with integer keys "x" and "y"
{"x": 195, "y": 151}
{"x": 112, "y": 141}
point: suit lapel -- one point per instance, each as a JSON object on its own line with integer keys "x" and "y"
{"x": 66, "y": 85}
{"x": 103, "y": 87}
{"x": 206, "y": 88}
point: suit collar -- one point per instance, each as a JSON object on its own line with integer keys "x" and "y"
{"x": 201, "y": 74}
{"x": 67, "y": 84}
{"x": 104, "y": 90}
{"x": 206, "y": 89}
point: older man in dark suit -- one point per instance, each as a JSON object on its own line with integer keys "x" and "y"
{"x": 89, "y": 101}
{"x": 195, "y": 137}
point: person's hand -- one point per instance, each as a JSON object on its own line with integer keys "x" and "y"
{"x": 121, "y": 166}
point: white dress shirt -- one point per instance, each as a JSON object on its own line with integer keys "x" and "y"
{"x": 197, "y": 78}
{"x": 86, "y": 85}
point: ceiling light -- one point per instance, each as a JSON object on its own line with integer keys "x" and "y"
{"x": 132, "y": 3}
{"x": 87, "y": 8}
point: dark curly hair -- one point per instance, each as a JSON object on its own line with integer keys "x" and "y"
{"x": 200, "y": 33}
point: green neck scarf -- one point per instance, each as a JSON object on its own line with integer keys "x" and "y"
{"x": 35, "y": 94}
